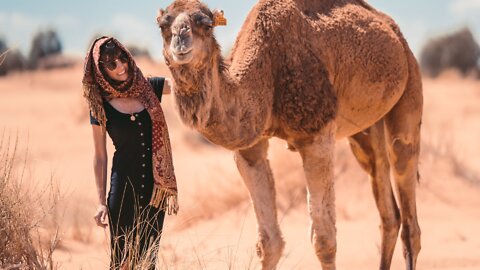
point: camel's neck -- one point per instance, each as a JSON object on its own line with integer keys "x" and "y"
{"x": 210, "y": 100}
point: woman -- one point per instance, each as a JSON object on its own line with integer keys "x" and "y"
{"x": 142, "y": 185}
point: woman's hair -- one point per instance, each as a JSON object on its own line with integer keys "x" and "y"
{"x": 109, "y": 51}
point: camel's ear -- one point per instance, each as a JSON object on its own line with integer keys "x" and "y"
{"x": 201, "y": 19}
{"x": 160, "y": 13}
{"x": 218, "y": 17}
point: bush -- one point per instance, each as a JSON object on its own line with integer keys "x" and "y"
{"x": 138, "y": 52}
{"x": 457, "y": 50}
{"x": 44, "y": 44}
{"x": 10, "y": 60}
{"x": 21, "y": 212}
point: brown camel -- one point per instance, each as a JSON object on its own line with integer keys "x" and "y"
{"x": 308, "y": 72}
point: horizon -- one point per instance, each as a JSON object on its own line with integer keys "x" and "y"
{"x": 77, "y": 23}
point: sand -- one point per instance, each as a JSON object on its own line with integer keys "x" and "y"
{"x": 216, "y": 228}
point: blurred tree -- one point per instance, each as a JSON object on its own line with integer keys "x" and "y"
{"x": 3, "y": 50}
{"x": 138, "y": 52}
{"x": 43, "y": 44}
{"x": 457, "y": 50}
{"x": 10, "y": 60}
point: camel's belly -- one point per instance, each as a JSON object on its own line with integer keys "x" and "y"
{"x": 367, "y": 85}
{"x": 361, "y": 107}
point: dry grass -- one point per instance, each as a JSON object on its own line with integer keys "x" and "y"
{"x": 3, "y": 56}
{"x": 442, "y": 148}
{"x": 196, "y": 257}
{"x": 220, "y": 197}
{"x": 81, "y": 222}
{"x": 136, "y": 255}
{"x": 23, "y": 209}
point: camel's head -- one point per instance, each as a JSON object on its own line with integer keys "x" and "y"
{"x": 187, "y": 30}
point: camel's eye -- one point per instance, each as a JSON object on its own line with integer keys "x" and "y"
{"x": 201, "y": 19}
{"x": 165, "y": 22}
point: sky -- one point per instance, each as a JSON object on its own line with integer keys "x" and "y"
{"x": 133, "y": 22}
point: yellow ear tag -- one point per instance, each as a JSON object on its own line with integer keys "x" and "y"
{"x": 219, "y": 18}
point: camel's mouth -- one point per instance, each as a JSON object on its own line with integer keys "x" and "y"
{"x": 182, "y": 57}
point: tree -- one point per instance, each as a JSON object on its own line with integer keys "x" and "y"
{"x": 10, "y": 59}
{"x": 457, "y": 50}
{"x": 44, "y": 44}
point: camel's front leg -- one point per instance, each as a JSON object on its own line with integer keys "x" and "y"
{"x": 317, "y": 155}
{"x": 255, "y": 170}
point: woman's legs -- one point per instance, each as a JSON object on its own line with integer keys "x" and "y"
{"x": 120, "y": 224}
{"x": 133, "y": 232}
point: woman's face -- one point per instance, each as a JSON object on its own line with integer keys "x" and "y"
{"x": 117, "y": 69}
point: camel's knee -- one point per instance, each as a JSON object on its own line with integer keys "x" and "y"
{"x": 270, "y": 249}
{"x": 325, "y": 246}
{"x": 392, "y": 223}
{"x": 267, "y": 247}
{"x": 390, "y": 227}
{"x": 323, "y": 237}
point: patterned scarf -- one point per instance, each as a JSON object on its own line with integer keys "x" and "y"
{"x": 96, "y": 88}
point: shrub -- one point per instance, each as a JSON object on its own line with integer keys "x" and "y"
{"x": 138, "y": 52}
{"x": 10, "y": 60}
{"x": 21, "y": 212}
{"x": 457, "y": 50}
{"x": 44, "y": 44}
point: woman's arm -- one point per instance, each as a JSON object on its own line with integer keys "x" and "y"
{"x": 100, "y": 170}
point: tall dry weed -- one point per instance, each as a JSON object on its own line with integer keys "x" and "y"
{"x": 213, "y": 196}
{"x": 441, "y": 147}
{"x": 138, "y": 244}
{"x": 3, "y": 55}
{"x": 24, "y": 206}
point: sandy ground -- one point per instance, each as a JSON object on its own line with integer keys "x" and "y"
{"x": 216, "y": 228}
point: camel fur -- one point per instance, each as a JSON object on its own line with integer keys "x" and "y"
{"x": 308, "y": 72}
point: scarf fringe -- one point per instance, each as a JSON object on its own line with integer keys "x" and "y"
{"x": 164, "y": 198}
{"x": 95, "y": 103}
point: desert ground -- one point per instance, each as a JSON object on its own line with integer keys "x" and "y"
{"x": 216, "y": 227}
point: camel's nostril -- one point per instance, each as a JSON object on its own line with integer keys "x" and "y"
{"x": 184, "y": 31}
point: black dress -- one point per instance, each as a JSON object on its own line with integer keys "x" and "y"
{"x": 135, "y": 227}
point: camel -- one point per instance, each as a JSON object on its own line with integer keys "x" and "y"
{"x": 308, "y": 72}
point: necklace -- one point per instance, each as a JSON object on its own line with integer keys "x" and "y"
{"x": 132, "y": 117}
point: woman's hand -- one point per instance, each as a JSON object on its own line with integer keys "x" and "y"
{"x": 101, "y": 216}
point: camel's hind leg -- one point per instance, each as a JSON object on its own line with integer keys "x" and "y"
{"x": 317, "y": 155}
{"x": 369, "y": 149}
{"x": 257, "y": 175}
{"x": 403, "y": 145}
